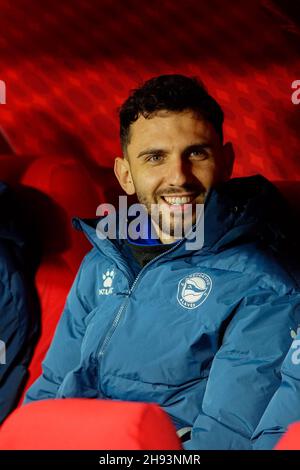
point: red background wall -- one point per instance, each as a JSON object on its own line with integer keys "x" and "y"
{"x": 69, "y": 65}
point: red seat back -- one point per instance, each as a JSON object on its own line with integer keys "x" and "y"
{"x": 77, "y": 424}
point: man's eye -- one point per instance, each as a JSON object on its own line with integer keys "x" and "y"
{"x": 198, "y": 154}
{"x": 154, "y": 158}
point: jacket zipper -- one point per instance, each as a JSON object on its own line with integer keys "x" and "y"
{"x": 103, "y": 345}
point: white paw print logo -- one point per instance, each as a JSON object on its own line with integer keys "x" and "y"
{"x": 108, "y": 278}
{"x": 295, "y": 333}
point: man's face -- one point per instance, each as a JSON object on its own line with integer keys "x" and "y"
{"x": 172, "y": 160}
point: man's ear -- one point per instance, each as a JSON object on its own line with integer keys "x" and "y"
{"x": 123, "y": 174}
{"x": 228, "y": 160}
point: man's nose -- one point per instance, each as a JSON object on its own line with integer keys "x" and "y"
{"x": 178, "y": 172}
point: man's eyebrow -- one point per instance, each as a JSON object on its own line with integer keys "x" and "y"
{"x": 202, "y": 145}
{"x": 156, "y": 151}
{"x": 151, "y": 151}
{"x": 197, "y": 147}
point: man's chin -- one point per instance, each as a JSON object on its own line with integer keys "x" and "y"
{"x": 176, "y": 229}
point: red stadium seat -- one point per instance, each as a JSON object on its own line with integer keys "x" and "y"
{"x": 52, "y": 190}
{"x": 291, "y": 439}
{"x": 80, "y": 424}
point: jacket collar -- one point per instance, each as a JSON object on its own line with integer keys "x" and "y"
{"x": 239, "y": 209}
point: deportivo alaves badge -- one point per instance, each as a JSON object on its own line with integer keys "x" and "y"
{"x": 193, "y": 290}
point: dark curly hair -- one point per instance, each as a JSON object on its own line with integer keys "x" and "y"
{"x": 173, "y": 93}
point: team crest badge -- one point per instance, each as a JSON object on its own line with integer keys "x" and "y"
{"x": 193, "y": 290}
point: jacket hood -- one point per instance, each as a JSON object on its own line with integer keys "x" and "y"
{"x": 239, "y": 210}
{"x": 245, "y": 209}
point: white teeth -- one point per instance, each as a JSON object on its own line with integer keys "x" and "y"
{"x": 178, "y": 200}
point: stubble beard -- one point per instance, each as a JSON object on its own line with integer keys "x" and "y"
{"x": 171, "y": 224}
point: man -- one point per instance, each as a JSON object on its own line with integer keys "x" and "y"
{"x": 202, "y": 332}
{"x": 18, "y": 309}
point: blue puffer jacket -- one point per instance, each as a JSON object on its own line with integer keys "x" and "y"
{"x": 18, "y": 325}
{"x": 202, "y": 333}
{"x": 284, "y": 408}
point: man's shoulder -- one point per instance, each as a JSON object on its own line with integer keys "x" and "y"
{"x": 265, "y": 267}
{"x": 91, "y": 261}
{"x": 272, "y": 269}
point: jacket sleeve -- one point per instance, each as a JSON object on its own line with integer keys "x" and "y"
{"x": 14, "y": 335}
{"x": 245, "y": 372}
{"x": 284, "y": 408}
{"x": 64, "y": 352}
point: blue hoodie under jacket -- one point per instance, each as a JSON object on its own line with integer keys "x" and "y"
{"x": 202, "y": 333}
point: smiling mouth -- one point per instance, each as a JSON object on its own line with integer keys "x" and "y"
{"x": 178, "y": 201}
